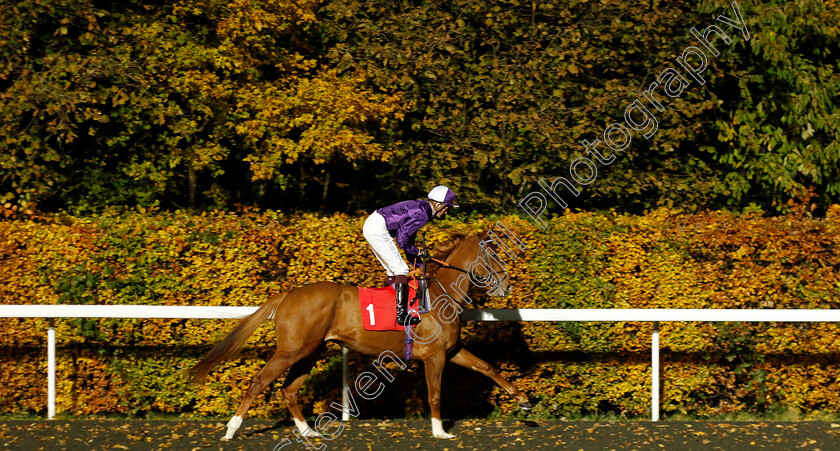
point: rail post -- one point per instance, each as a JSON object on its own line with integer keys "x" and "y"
{"x": 345, "y": 383}
{"x": 654, "y": 373}
{"x": 51, "y": 370}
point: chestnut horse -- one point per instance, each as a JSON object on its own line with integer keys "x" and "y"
{"x": 307, "y": 316}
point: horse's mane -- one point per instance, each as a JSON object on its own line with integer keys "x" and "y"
{"x": 443, "y": 251}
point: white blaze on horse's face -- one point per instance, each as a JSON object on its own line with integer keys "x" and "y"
{"x": 488, "y": 273}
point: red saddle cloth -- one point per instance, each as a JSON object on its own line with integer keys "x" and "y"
{"x": 379, "y": 306}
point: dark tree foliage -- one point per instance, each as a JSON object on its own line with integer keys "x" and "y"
{"x": 504, "y": 92}
{"x": 343, "y": 105}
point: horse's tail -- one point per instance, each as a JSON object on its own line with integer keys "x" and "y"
{"x": 236, "y": 339}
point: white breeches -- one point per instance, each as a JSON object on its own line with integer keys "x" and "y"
{"x": 384, "y": 247}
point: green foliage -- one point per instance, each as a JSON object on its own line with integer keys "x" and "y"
{"x": 779, "y": 129}
{"x": 145, "y": 390}
{"x": 508, "y": 90}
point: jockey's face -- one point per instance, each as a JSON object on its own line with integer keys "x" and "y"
{"x": 439, "y": 210}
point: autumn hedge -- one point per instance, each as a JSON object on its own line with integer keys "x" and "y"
{"x": 582, "y": 260}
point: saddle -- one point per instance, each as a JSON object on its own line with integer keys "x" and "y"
{"x": 379, "y": 311}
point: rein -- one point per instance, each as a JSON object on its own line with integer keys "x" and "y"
{"x": 444, "y": 264}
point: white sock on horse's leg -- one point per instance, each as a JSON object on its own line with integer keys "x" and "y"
{"x": 232, "y": 426}
{"x": 304, "y": 428}
{"x": 437, "y": 429}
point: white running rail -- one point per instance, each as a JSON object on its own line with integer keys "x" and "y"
{"x": 600, "y": 315}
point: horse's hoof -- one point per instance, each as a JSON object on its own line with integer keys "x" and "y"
{"x": 525, "y": 405}
{"x": 225, "y": 439}
{"x": 311, "y": 434}
{"x": 444, "y": 435}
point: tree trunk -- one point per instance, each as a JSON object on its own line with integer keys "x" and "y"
{"x": 326, "y": 189}
{"x": 301, "y": 186}
{"x": 193, "y": 181}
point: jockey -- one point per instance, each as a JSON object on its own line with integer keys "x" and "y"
{"x": 401, "y": 221}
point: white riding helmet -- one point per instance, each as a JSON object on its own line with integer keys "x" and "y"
{"x": 443, "y": 195}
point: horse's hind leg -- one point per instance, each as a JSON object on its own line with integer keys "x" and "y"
{"x": 291, "y": 386}
{"x": 468, "y": 360}
{"x": 272, "y": 370}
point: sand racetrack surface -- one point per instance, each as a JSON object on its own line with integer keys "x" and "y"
{"x": 267, "y": 435}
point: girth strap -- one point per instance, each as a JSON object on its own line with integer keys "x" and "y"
{"x": 409, "y": 344}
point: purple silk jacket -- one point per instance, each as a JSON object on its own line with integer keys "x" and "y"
{"x": 403, "y": 220}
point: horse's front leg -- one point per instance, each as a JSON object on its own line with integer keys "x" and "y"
{"x": 468, "y": 360}
{"x": 434, "y": 374}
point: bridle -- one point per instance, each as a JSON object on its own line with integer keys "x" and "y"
{"x": 481, "y": 253}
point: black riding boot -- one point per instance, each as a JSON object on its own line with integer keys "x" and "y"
{"x": 403, "y": 318}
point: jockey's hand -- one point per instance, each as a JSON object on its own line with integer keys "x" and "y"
{"x": 424, "y": 254}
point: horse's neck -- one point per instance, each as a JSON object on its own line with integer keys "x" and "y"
{"x": 449, "y": 279}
